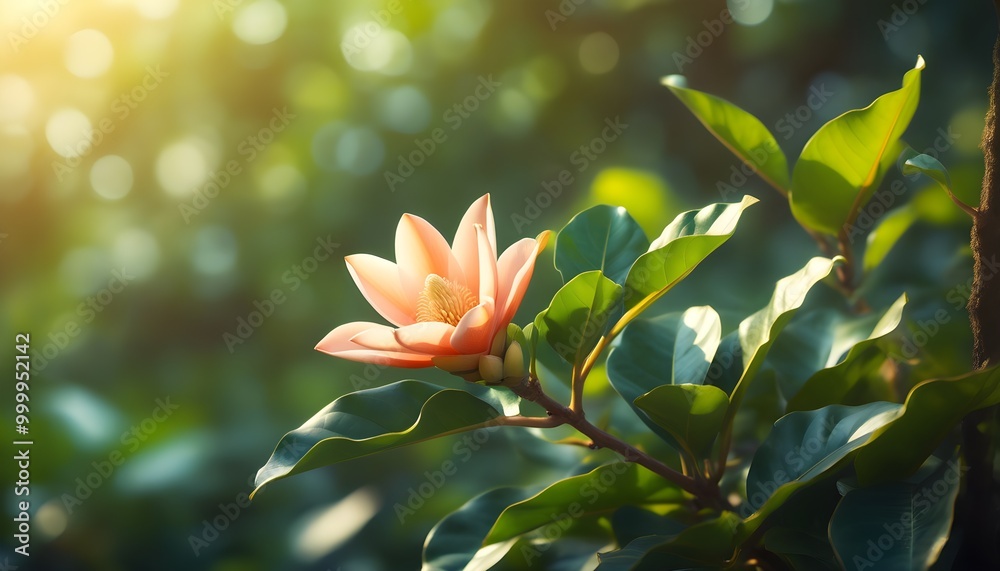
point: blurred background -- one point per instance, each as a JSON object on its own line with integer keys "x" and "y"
{"x": 171, "y": 169}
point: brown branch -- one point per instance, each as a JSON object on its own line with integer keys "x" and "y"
{"x": 979, "y": 547}
{"x": 531, "y": 390}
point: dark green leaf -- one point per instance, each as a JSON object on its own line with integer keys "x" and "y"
{"x": 377, "y": 419}
{"x": 932, "y": 409}
{"x": 602, "y": 238}
{"x": 579, "y": 314}
{"x": 803, "y": 446}
{"x": 458, "y": 538}
{"x": 832, "y": 385}
{"x": 691, "y": 413}
{"x": 601, "y": 490}
{"x": 899, "y": 525}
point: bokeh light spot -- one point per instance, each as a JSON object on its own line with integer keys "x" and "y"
{"x": 598, "y": 53}
{"x": 137, "y": 250}
{"x": 386, "y": 51}
{"x": 111, "y": 177}
{"x": 17, "y": 98}
{"x": 360, "y": 151}
{"x": 750, "y": 12}
{"x": 156, "y": 9}
{"x": 261, "y": 22}
{"x": 180, "y": 168}
{"x": 404, "y": 109}
{"x": 214, "y": 251}
{"x": 68, "y": 132}
{"x": 89, "y": 53}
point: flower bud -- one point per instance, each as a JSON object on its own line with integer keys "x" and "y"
{"x": 491, "y": 369}
{"x": 499, "y": 343}
{"x": 513, "y": 362}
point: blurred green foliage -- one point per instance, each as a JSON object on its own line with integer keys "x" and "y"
{"x": 297, "y": 111}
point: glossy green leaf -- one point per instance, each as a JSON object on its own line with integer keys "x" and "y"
{"x": 457, "y": 540}
{"x": 928, "y": 165}
{"x": 602, "y": 238}
{"x": 805, "y": 445}
{"x": 669, "y": 349}
{"x": 898, "y": 525}
{"x": 601, "y": 490}
{"x": 758, "y": 332}
{"x": 579, "y": 314}
{"x": 842, "y": 165}
{"x": 739, "y": 131}
{"x": 691, "y": 413}
{"x": 833, "y": 385}
{"x": 373, "y": 420}
{"x": 684, "y": 244}
{"x": 932, "y": 409}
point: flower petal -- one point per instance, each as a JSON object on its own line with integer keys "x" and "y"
{"x": 466, "y": 242}
{"x": 338, "y": 343}
{"x": 379, "y": 338}
{"x": 378, "y": 281}
{"x": 474, "y": 333}
{"x": 487, "y": 266}
{"x": 421, "y": 251}
{"x": 514, "y": 268}
{"x": 429, "y": 337}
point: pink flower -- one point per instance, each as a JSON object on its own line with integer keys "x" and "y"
{"x": 447, "y": 303}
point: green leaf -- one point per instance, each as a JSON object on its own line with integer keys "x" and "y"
{"x": 373, "y": 420}
{"x": 674, "y": 348}
{"x": 458, "y": 538}
{"x": 928, "y": 165}
{"x": 601, "y": 490}
{"x": 758, "y": 332}
{"x": 802, "y": 550}
{"x": 579, "y": 314}
{"x": 842, "y": 165}
{"x": 602, "y": 238}
{"x": 932, "y": 409}
{"x": 691, "y": 413}
{"x": 833, "y": 385}
{"x": 684, "y": 244}
{"x": 739, "y": 131}
{"x": 890, "y": 229}
{"x": 705, "y": 545}
{"x": 908, "y": 522}
{"x": 802, "y": 447}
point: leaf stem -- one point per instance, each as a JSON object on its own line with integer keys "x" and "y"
{"x": 531, "y": 390}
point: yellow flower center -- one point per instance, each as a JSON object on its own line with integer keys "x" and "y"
{"x": 444, "y": 301}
